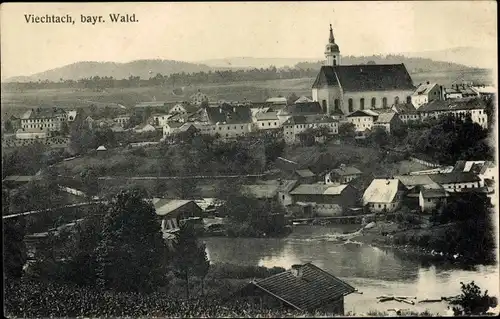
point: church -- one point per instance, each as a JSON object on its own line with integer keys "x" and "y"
{"x": 348, "y": 88}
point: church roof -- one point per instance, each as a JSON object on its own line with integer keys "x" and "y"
{"x": 356, "y": 78}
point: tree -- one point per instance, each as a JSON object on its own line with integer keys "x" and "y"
{"x": 347, "y": 130}
{"x": 379, "y": 137}
{"x": 89, "y": 180}
{"x": 291, "y": 98}
{"x": 185, "y": 188}
{"x": 15, "y": 253}
{"x": 472, "y": 301}
{"x": 189, "y": 256}
{"x": 131, "y": 251}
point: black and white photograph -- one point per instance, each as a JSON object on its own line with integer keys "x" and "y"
{"x": 249, "y": 159}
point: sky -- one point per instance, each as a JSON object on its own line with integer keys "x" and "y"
{"x": 211, "y": 30}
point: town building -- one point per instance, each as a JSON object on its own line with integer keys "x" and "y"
{"x": 457, "y": 181}
{"x": 267, "y": 120}
{"x": 46, "y": 119}
{"x": 451, "y": 94}
{"x": 32, "y": 133}
{"x": 298, "y": 124}
{"x": 324, "y": 200}
{"x": 389, "y": 121}
{"x": 159, "y": 119}
{"x": 173, "y": 211}
{"x": 122, "y": 120}
{"x": 474, "y": 107}
{"x": 342, "y": 175}
{"x": 303, "y": 287}
{"x": 383, "y": 195}
{"x": 425, "y": 93}
{"x": 279, "y": 100}
{"x": 430, "y": 198}
{"x": 199, "y": 98}
{"x": 229, "y": 121}
{"x": 358, "y": 87}
{"x": 303, "y": 99}
{"x": 304, "y": 176}
{"x": 406, "y": 112}
{"x": 312, "y": 109}
{"x": 366, "y": 120}
{"x": 183, "y": 108}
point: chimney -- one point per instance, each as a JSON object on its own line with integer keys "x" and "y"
{"x": 234, "y": 109}
{"x": 297, "y": 270}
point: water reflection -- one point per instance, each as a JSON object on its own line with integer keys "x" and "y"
{"x": 372, "y": 270}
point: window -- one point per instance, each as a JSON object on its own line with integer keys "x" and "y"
{"x": 384, "y": 102}
{"x": 374, "y": 102}
{"x": 274, "y": 123}
{"x": 408, "y": 99}
{"x": 362, "y": 103}
{"x": 262, "y": 124}
{"x": 396, "y": 100}
{"x": 429, "y": 200}
{"x": 283, "y": 197}
{"x": 350, "y": 105}
{"x": 336, "y": 103}
{"x": 323, "y": 103}
{"x": 242, "y": 127}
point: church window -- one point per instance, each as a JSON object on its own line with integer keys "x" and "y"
{"x": 396, "y": 100}
{"x": 336, "y": 104}
{"x": 374, "y": 102}
{"x": 384, "y": 102}
{"x": 408, "y": 99}
{"x": 362, "y": 103}
{"x": 324, "y": 105}
{"x": 350, "y": 105}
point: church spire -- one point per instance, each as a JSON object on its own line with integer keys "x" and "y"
{"x": 331, "y": 39}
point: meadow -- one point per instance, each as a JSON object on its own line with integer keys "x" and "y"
{"x": 16, "y": 102}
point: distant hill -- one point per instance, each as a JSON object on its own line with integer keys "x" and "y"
{"x": 414, "y": 65}
{"x": 141, "y": 68}
{"x": 470, "y": 56}
{"x": 249, "y": 62}
{"x": 456, "y": 59}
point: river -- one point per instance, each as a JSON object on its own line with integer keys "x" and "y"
{"x": 373, "y": 271}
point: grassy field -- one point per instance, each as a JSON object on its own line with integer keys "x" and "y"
{"x": 15, "y": 102}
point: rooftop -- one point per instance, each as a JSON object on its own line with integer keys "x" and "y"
{"x": 42, "y": 113}
{"x": 454, "y": 177}
{"x": 305, "y": 173}
{"x": 262, "y": 116}
{"x": 381, "y": 191}
{"x": 310, "y": 288}
{"x": 471, "y": 103}
{"x": 229, "y": 114}
{"x": 385, "y": 117}
{"x": 318, "y": 189}
{"x": 356, "y": 78}
{"x": 303, "y": 108}
{"x": 424, "y": 88}
{"x": 317, "y": 119}
{"x": 166, "y": 206}
{"x": 346, "y": 170}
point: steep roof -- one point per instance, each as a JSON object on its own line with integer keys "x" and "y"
{"x": 346, "y": 170}
{"x": 167, "y": 206}
{"x": 318, "y": 189}
{"x": 303, "y": 108}
{"x": 454, "y": 177}
{"x": 470, "y": 103}
{"x": 309, "y": 120}
{"x": 424, "y": 88}
{"x": 260, "y": 191}
{"x": 229, "y": 115}
{"x": 262, "y": 116}
{"x": 404, "y": 108}
{"x": 303, "y": 99}
{"x": 359, "y": 113}
{"x": 356, "y": 78}
{"x": 311, "y": 289}
{"x": 434, "y": 193}
{"x": 415, "y": 180}
{"x": 385, "y": 117}
{"x": 40, "y": 113}
{"x": 381, "y": 191}
{"x": 305, "y": 173}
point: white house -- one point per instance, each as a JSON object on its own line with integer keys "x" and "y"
{"x": 31, "y": 134}
{"x": 122, "y": 120}
{"x": 425, "y": 93}
{"x": 457, "y": 181}
{"x": 383, "y": 195}
{"x": 298, "y": 124}
{"x": 475, "y": 107}
{"x": 47, "y": 119}
{"x": 429, "y": 199}
{"x": 267, "y": 120}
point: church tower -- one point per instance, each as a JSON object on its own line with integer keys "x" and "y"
{"x": 332, "y": 51}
